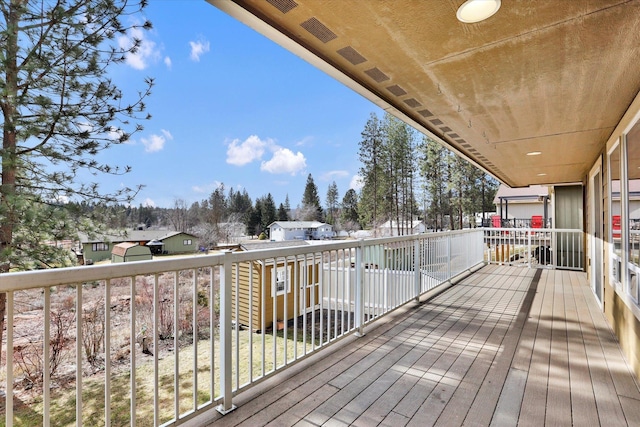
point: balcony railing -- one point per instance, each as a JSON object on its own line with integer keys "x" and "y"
{"x": 183, "y": 336}
{"x": 535, "y": 247}
{"x": 517, "y": 223}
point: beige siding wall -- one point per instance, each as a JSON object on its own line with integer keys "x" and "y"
{"x": 621, "y": 313}
{"x": 251, "y": 295}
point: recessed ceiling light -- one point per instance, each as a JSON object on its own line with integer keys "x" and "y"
{"x": 473, "y": 11}
{"x": 542, "y": 174}
{"x": 534, "y": 153}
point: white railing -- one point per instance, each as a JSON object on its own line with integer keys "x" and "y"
{"x": 535, "y": 247}
{"x": 185, "y": 335}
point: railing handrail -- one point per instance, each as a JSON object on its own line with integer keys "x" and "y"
{"x": 549, "y": 247}
{"x": 534, "y": 230}
{"x": 31, "y": 279}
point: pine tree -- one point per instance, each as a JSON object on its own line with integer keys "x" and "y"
{"x": 268, "y": 208}
{"x": 433, "y": 166}
{"x": 218, "y": 206}
{"x": 283, "y": 215}
{"x": 370, "y": 155}
{"x": 312, "y": 210}
{"x": 399, "y": 165}
{"x": 59, "y": 110}
{"x": 350, "y": 210}
{"x": 332, "y": 202}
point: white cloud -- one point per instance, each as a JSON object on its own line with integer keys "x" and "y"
{"x": 115, "y": 134}
{"x": 198, "y": 48}
{"x": 149, "y": 203}
{"x": 307, "y": 140}
{"x": 167, "y": 62}
{"x": 156, "y": 142}
{"x": 285, "y": 161}
{"x": 241, "y": 153}
{"x": 146, "y": 53}
{"x": 207, "y": 188}
{"x": 253, "y": 148}
{"x": 328, "y": 176}
{"x": 356, "y": 182}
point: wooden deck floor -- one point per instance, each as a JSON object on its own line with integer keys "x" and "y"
{"x": 507, "y": 346}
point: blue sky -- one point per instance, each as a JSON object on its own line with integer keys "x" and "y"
{"x": 230, "y": 106}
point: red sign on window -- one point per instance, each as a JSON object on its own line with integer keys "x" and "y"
{"x": 615, "y": 225}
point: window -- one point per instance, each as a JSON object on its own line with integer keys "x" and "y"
{"x": 97, "y": 247}
{"x": 614, "y": 220}
{"x": 281, "y": 280}
{"x": 186, "y": 242}
{"x": 633, "y": 210}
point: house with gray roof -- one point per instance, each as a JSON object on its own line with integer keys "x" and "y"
{"x": 518, "y": 207}
{"x": 300, "y": 230}
{"x": 99, "y": 247}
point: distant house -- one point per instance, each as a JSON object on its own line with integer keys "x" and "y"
{"x": 405, "y": 228}
{"x": 518, "y": 207}
{"x": 300, "y": 230}
{"x": 126, "y": 252}
{"x": 99, "y": 248}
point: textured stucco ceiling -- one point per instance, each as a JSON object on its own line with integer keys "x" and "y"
{"x": 553, "y": 76}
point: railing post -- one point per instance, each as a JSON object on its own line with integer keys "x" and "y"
{"x": 416, "y": 268}
{"x": 79, "y": 355}
{"x": 9, "y": 356}
{"x": 529, "y": 248}
{"x": 225, "y": 336}
{"x": 449, "y": 256}
{"x": 359, "y": 290}
{"x": 554, "y": 248}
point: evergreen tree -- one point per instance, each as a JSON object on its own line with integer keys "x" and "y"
{"x": 268, "y": 212}
{"x": 146, "y": 216}
{"x": 283, "y": 215}
{"x": 59, "y": 110}
{"x": 217, "y": 206}
{"x": 434, "y": 170}
{"x": 239, "y": 206}
{"x": 254, "y": 226}
{"x": 312, "y": 210}
{"x": 332, "y": 203}
{"x": 370, "y": 153}
{"x": 350, "y": 210}
{"x": 399, "y": 166}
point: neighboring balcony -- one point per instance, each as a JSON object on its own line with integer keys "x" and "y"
{"x": 349, "y": 332}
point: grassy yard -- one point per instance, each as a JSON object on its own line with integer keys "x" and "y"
{"x": 63, "y": 401}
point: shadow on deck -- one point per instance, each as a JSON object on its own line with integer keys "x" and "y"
{"x": 506, "y": 346}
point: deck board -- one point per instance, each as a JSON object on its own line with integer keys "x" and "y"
{"x": 505, "y": 346}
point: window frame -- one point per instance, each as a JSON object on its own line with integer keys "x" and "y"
{"x": 616, "y": 262}
{"x": 284, "y": 271}
{"x": 100, "y": 247}
{"x": 632, "y": 270}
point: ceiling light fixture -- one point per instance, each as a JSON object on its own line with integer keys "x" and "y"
{"x": 534, "y": 153}
{"x": 473, "y": 11}
{"x": 542, "y": 174}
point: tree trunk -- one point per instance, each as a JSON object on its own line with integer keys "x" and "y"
{"x": 8, "y": 187}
